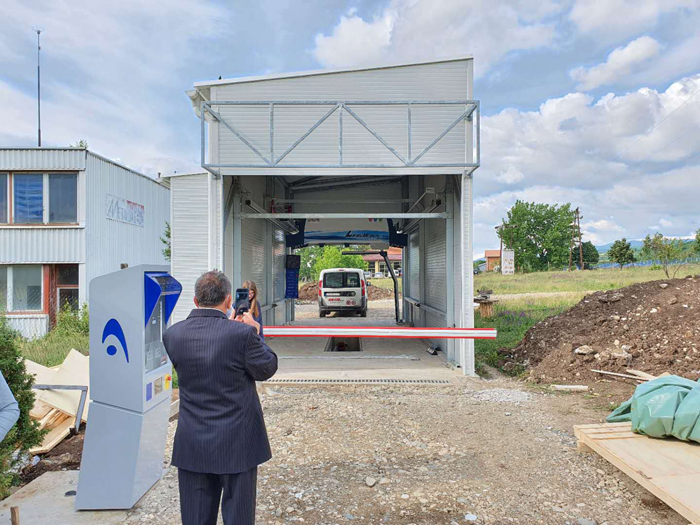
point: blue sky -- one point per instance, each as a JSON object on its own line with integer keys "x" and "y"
{"x": 569, "y": 88}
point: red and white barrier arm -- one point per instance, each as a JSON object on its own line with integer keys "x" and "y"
{"x": 380, "y": 331}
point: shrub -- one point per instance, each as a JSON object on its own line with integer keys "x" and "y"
{"x": 72, "y": 330}
{"x": 25, "y": 434}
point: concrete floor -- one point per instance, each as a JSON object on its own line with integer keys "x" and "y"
{"x": 404, "y": 359}
{"x": 44, "y": 501}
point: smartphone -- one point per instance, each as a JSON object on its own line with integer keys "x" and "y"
{"x": 242, "y": 303}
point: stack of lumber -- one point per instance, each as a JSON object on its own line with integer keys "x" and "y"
{"x": 56, "y": 410}
{"x": 668, "y": 468}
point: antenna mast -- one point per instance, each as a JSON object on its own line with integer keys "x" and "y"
{"x": 38, "y": 31}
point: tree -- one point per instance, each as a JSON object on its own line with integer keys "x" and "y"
{"x": 308, "y": 255}
{"x": 621, "y": 253}
{"x": 166, "y": 240}
{"x": 590, "y": 255}
{"x": 697, "y": 241}
{"x": 25, "y": 434}
{"x": 540, "y": 234}
{"x": 333, "y": 257}
{"x": 82, "y": 143}
{"x": 665, "y": 251}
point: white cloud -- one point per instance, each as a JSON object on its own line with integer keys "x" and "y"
{"x": 621, "y": 18}
{"x": 120, "y": 64}
{"x": 577, "y": 149}
{"x": 603, "y": 225}
{"x": 511, "y": 176}
{"x": 621, "y": 62}
{"x": 413, "y": 30}
{"x": 665, "y": 223}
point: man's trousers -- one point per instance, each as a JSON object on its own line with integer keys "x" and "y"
{"x": 200, "y": 495}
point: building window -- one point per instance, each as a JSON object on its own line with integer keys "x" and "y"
{"x": 3, "y": 288}
{"x": 63, "y": 197}
{"x": 26, "y": 288}
{"x": 67, "y": 286}
{"x": 39, "y": 198}
{"x": 28, "y": 198}
{"x": 4, "y": 200}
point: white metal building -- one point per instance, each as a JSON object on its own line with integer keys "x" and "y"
{"x": 68, "y": 215}
{"x": 381, "y": 156}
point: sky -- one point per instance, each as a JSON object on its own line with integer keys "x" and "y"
{"x": 588, "y": 102}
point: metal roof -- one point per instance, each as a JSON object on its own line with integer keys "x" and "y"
{"x": 295, "y": 74}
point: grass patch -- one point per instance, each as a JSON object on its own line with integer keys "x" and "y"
{"x": 513, "y": 319}
{"x": 590, "y": 280}
{"x": 386, "y": 282}
{"x": 71, "y": 331}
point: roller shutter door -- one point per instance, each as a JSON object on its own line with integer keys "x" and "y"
{"x": 278, "y": 259}
{"x": 435, "y": 261}
{"x": 414, "y": 265}
{"x": 253, "y": 257}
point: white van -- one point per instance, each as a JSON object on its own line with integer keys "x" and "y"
{"x": 342, "y": 290}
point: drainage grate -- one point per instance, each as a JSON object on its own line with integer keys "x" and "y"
{"x": 364, "y": 381}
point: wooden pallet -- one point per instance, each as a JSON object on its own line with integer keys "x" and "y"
{"x": 668, "y": 468}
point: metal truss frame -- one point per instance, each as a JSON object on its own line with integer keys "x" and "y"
{"x": 471, "y": 113}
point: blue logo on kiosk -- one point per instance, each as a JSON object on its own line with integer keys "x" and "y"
{"x": 114, "y": 328}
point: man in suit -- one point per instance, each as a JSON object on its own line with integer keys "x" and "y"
{"x": 221, "y": 437}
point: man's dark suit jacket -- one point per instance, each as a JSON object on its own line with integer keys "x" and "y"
{"x": 221, "y": 428}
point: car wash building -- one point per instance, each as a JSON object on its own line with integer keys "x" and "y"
{"x": 378, "y": 156}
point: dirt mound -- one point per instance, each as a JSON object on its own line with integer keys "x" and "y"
{"x": 309, "y": 292}
{"x": 653, "y": 327}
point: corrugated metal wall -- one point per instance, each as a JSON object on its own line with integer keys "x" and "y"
{"x": 42, "y": 159}
{"x": 190, "y": 222}
{"x": 437, "y": 81}
{"x": 110, "y": 243}
{"x": 253, "y": 260}
{"x": 42, "y": 245}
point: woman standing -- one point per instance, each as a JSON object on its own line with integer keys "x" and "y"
{"x": 254, "y": 304}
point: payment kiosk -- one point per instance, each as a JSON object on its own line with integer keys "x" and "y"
{"x": 130, "y": 386}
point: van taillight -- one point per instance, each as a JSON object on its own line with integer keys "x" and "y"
{"x": 320, "y": 284}
{"x": 363, "y": 288}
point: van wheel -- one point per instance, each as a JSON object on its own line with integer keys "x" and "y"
{"x": 363, "y": 313}
{"x": 322, "y": 313}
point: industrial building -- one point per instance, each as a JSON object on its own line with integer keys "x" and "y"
{"x": 381, "y": 156}
{"x": 68, "y": 215}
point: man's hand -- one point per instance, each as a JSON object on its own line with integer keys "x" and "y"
{"x": 247, "y": 318}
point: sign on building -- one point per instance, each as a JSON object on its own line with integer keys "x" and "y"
{"x": 508, "y": 262}
{"x": 122, "y": 210}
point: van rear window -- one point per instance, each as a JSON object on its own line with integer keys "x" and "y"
{"x": 341, "y": 280}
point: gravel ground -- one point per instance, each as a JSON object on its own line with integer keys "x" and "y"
{"x": 476, "y": 451}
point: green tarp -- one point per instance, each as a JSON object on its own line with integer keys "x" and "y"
{"x": 663, "y": 407}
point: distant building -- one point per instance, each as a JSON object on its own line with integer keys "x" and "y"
{"x": 493, "y": 259}
{"x": 68, "y": 215}
{"x": 376, "y": 264}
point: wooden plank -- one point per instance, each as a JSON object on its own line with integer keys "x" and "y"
{"x": 39, "y": 410}
{"x": 641, "y": 374}
{"x": 570, "y": 388}
{"x": 55, "y": 436}
{"x": 615, "y": 374}
{"x": 75, "y": 370}
{"x": 14, "y": 515}
{"x": 49, "y": 418}
{"x": 668, "y": 468}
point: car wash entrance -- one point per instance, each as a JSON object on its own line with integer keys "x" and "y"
{"x": 362, "y": 159}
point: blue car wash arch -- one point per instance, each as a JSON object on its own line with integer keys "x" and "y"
{"x": 374, "y": 156}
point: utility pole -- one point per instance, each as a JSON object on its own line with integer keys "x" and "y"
{"x": 576, "y": 239}
{"x": 580, "y": 244}
{"x": 38, "y": 31}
